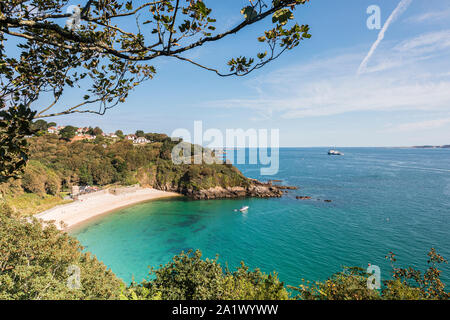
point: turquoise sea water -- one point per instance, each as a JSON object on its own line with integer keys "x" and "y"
{"x": 382, "y": 200}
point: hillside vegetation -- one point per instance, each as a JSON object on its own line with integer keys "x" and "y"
{"x": 57, "y": 164}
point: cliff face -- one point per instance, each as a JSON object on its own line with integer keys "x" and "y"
{"x": 211, "y": 182}
{"x": 238, "y": 192}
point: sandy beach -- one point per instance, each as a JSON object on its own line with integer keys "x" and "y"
{"x": 92, "y": 205}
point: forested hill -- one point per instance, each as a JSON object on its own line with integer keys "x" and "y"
{"x": 110, "y": 161}
{"x": 56, "y": 164}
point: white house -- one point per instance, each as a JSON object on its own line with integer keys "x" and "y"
{"x": 141, "y": 140}
{"x": 53, "y": 130}
{"x": 131, "y": 137}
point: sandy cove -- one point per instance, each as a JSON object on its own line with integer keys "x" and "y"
{"x": 92, "y": 205}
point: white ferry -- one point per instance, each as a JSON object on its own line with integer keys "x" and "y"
{"x": 333, "y": 152}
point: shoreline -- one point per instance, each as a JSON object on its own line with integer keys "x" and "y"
{"x": 94, "y": 205}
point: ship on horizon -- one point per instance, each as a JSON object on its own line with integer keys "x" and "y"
{"x": 334, "y": 152}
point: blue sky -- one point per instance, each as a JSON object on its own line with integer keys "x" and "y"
{"x": 314, "y": 93}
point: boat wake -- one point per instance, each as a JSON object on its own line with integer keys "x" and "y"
{"x": 420, "y": 168}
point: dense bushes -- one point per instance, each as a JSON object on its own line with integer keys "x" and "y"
{"x": 188, "y": 277}
{"x": 406, "y": 284}
{"x": 35, "y": 260}
{"x": 40, "y": 180}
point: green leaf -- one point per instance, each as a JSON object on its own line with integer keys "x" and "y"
{"x": 249, "y": 13}
{"x": 282, "y": 16}
{"x": 262, "y": 55}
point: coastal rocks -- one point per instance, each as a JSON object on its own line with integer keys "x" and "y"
{"x": 286, "y": 187}
{"x": 309, "y": 198}
{"x": 253, "y": 188}
{"x": 258, "y": 191}
{"x": 281, "y": 187}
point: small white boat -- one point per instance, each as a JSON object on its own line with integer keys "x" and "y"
{"x": 333, "y": 152}
{"x": 244, "y": 208}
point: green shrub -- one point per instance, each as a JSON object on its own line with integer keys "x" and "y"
{"x": 6, "y": 209}
{"x": 188, "y": 277}
{"x": 409, "y": 283}
{"x": 34, "y": 262}
{"x": 400, "y": 290}
{"x": 52, "y": 183}
{"x": 34, "y": 178}
{"x": 350, "y": 284}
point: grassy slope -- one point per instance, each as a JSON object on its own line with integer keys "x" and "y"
{"x": 29, "y": 203}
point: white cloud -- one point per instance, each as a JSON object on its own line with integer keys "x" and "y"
{"x": 405, "y": 77}
{"x": 349, "y": 94}
{"x": 427, "y": 46}
{"x": 426, "y": 43}
{"x": 432, "y": 16}
{"x": 419, "y": 126}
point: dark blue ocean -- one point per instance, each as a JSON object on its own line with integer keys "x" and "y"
{"x": 383, "y": 199}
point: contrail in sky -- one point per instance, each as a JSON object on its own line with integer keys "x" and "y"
{"x": 402, "y": 6}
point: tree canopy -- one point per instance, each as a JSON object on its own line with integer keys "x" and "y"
{"x": 102, "y": 50}
{"x": 14, "y": 128}
{"x": 68, "y": 132}
{"x": 109, "y": 47}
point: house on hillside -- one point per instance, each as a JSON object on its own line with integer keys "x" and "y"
{"x": 55, "y": 130}
{"x": 52, "y": 130}
{"x": 131, "y": 137}
{"x": 82, "y": 131}
{"x": 141, "y": 140}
